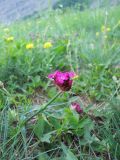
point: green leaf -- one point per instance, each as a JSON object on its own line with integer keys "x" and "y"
{"x": 39, "y": 127}
{"x": 46, "y": 137}
{"x": 71, "y": 118}
{"x": 83, "y": 122}
{"x": 68, "y": 153}
{"x": 43, "y": 156}
{"x": 55, "y": 122}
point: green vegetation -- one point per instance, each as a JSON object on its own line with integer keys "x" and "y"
{"x": 87, "y": 43}
{"x": 72, "y": 3}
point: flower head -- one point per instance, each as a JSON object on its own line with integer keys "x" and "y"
{"x": 103, "y": 28}
{"x": 108, "y": 29}
{"x": 9, "y": 39}
{"x": 63, "y": 79}
{"x": 30, "y": 46}
{"x": 97, "y": 34}
{"x": 47, "y": 45}
{"x": 76, "y": 106}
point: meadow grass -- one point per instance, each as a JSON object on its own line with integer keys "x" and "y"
{"x": 85, "y": 42}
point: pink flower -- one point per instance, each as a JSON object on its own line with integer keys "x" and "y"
{"x": 62, "y": 79}
{"x": 76, "y": 106}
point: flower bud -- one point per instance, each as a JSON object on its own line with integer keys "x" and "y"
{"x": 76, "y": 106}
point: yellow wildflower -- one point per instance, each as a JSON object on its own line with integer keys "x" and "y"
{"x": 9, "y": 39}
{"x": 103, "y": 28}
{"x": 30, "y": 46}
{"x": 108, "y": 29}
{"x": 6, "y": 30}
{"x": 47, "y": 45}
{"x": 97, "y": 34}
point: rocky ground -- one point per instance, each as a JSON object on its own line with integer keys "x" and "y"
{"x": 11, "y": 10}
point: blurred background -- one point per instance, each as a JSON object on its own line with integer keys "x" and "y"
{"x": 12, "y": 10}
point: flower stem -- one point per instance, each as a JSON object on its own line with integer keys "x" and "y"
{"x": 5, "y": 90}
{"x": 43, "y": 108}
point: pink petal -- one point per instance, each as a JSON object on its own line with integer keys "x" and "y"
{"x": 71, "y": 74}
{"x": 52, "y": 75}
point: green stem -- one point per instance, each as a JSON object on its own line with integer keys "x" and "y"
{"x": 43, "y": 108}
{"x": 5, "y": 90}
